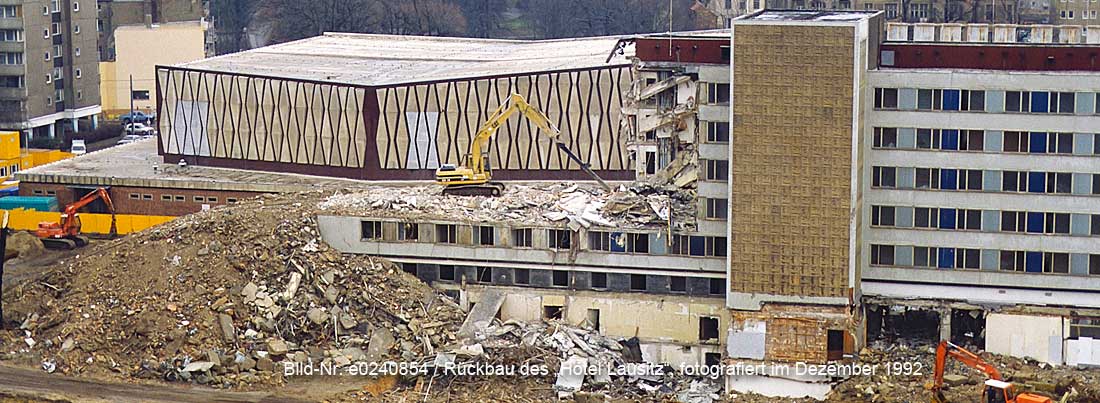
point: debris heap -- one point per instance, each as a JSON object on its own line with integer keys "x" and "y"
{"x": 221, "y": 298}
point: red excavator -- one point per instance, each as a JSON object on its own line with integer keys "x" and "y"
{"x": 66, "y": 234}
{"x": 996, "y": 389}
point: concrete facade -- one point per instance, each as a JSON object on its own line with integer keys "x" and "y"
{"x": 118, "y": 13}
{"x": 179, "y": 42}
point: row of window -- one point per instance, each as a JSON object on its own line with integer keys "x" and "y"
{"x": 976, "y": 101}
{"x": 966, "y": 258}
{"x": 972, "y": 220}
{"x": 570, "y": 279}
{"x": 180, "y": 198}
{"x": 975, "y": 180}
{"x": 976, "y": 140}
{"x": 560, "y": 239}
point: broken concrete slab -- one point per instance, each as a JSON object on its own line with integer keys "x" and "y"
{"x": 571, "y": 374}
{"x": 225, "y": 322}
{"x": 482, "y": 315}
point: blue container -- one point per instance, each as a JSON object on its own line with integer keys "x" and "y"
{"x": 37, "y": 203}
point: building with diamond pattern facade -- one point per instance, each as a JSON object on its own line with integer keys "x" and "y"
{"x": 385, "y": 107}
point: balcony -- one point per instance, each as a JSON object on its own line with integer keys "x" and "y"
{"x": 13, "y": 116}
{"x": 12, "y": 70}
{"x": 12, "y": 94}
{"x": 16, "y": 47}
{"x": 11, "y": 23}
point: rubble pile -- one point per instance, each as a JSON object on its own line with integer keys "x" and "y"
{"x": 222, "y": 298}
{"x": 560, "y": 204}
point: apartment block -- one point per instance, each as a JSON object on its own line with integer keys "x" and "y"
{"x": 118, "y": 13}
{"x": 49, "y": 69}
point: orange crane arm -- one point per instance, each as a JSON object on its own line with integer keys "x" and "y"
{"x": 971, "y": 360}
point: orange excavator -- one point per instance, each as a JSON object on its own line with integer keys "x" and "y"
{"x": 66, "y": 234}
{"x": 996, "y": 389}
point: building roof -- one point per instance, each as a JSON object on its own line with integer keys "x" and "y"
{"x": 138, "y": 165}
{"x": 805, "y": 16}
{"x": 390, "y": 60}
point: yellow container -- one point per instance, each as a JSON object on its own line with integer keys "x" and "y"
{"x": 9, "y": 145}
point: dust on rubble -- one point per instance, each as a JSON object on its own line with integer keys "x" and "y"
{"x": 221, "y": 298}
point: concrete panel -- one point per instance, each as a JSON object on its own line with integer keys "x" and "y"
{"x": 698, "y": 286}
{"x": 1083, "y": 351}
{"x": 907, "y": 138}
{"x": 994, "y": 141}
{"x": 1004, "y": 335}
{"x": 1082, "y": 143}
{"x": 427, "y": 272}
{"x": 747, "y": 341}
{"x": 1086, "y": 103}
{"x": 581, "y": 280}
{"x": 991, "y": 181}
{"x": 657, "y": 284}
{"x": 990, "y": 259}
{"x": 903, "y": 255}
{"x": 907, "y": 99}
{"x": 1079, "y": 264}
{"x": 541, "y": 278}
{"x": 618, "y": 282}
{"x": 1079, "y": 224}
{"x": 714, "y": 151}
{"x": 1082, "y": 184}
{"x": 906, "y": 177}
{"x": 503, "y": 276}
{"x": 991, "y": 220}
{"x": 995, "y": 101}
{"x": 903, "y": 217}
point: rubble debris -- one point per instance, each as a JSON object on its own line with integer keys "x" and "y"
{"x": 562, "y": 204}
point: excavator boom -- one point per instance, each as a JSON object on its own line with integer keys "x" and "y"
{"x": 996, "y": 390}
{"x": 475, "y": 176}
{"x": 66, "y": 234}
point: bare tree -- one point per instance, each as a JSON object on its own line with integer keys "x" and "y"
{"x": 230, "y": 19}
{"x": 296, "y": 19}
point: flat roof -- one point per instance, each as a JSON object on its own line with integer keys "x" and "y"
{"x": 389, "y": 60}
{"x": 807, "y": 16}
{"x": 138, "y": 165}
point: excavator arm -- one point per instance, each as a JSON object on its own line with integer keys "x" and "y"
{"x": 69, "y": 220}
{"x": 947, "y": 349}
{"x": 477, "y": 164}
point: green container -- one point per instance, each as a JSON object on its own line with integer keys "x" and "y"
{"x": 37, "y": 203}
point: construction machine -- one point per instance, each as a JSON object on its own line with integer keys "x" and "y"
{"x": 475, "y": 176}
{"x": 66, "y": 234}
{"x": 996, "y": 389}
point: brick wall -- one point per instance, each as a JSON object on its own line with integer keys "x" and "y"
{"x": 148, "y": 201}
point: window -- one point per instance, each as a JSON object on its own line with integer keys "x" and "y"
{"x": 46, "y": 33}
{"x": 79, "y": 94}
{"x": 973, "y": 101}
{"x": 560, "y": 238}
{"x": 55, "y": 6}
{"x": 1015, "y": 142}
{"x": 1056, "y": 223}
{"x": 370, "y": 230}
{"x": 926, "y": 217}
{"x": 1057, "y": 263}
{"x": 552, "y": 312}
{"x": 230, "y": 199}
{"x": 717, "y": 286}
{"x": 135, "y": 196}
{"x": 928, "y": 139}
{"x": 180, "y": 198}
{"x": 618, "y": 242}
{"x": 1084, "y": 327}
{"x": 165, "y": 197}
{"x": 882, "y": 255}
{"x": 521, "y": 237}
{"x": 55, "y": 28}
{"x": 47, "y": 57}
{"x": 211, "y": 199}
{"x": 76, "y": 29}
{"x": 882, "y": 216}
{"x": 1014, "y": 181}
{"x": 696, "y": 245}
{"x": 11, "y": 58}
{"x": 1059, "y": 182}
{"x": 1017, "y": 101}
{"x": 599, "y": 280}
{"x": 637, "y": 282}
{"x": 886, "y": 98}
{"x": 446, "y": 272}
{"x": 484, "y": 274}
{"x": 45, "y": 10}
{"x": 885, "y": 137}
{"x": 717, "y": 170}
{"x": 198, "y": 199}
{"x": 1062, "y": 102}
{"x": 142, "y": 95}
{"x": 11, "y": 35}
{"x": 408, "y": 231}
{"x": 1094, "y": 265}
{"x": 9, "y": 11}
{"x": 1096, "y": 184}
{"x": 968, "y": 258}
{"x": 677, "y": 284}
{"x": 11, "y": 81}
{"x": 708, "y": 328}
{"x": 1060, "y": 143}
{"x": 918, "y": 11}
{"x": 560, "y": 278}
{"x": 147, "y": 197}
{"x": 717, "y": 208}
{"x": 891, "y": 10}
{"x": 718, "y": 94}
{"x": 486, "y": 235}
{"x": 969, "y": 220}
{"x": 1095, "y": 230}
{"x": 1013, "y": 260}
{"x": 598, "y": 240}
{"x": 76, "y": 6}
{"x": 931, "y": 100}
{"x": 718, "y": 132}
{"x": 885, "y": 177}
{"x": 446, "y": 233}
{"x": 521, "y": 276}
{"x": 972, "y": 140}
{"x": 76, "y": 51}
{"x": 1013, "y": 221}
{"x": 928, "y": 178}
{"x": 925, "y": 256}
{"x": 970, "y": 179}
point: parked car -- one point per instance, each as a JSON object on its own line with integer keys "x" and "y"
{"x": 139, "y": 129}
{"x": 129, "y": 138}
{"x": 79, "y": 148}
{"x": 136, "y": 117}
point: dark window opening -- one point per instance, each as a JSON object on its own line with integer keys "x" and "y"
{"x": 521, "y": 276}
{"x": 560, "y": 238}
{"x": 561, "y": 278}
{"x": 486, "y": 235}
{"x": 521, "y": 237}
{"x": 637, "y": 282}
{"x": 708, "y": 328}
{"x": 599, "y": 280}
{"x": 836, "y": 345}
{"x": 447, "y": 272}
{"x": 370, "y": 230}
{"x": 409, "y": 268}
{"x": 677, "y": 284}
{"x": 485, "y": 274}
{"x": 717, "y": 286}
{"x": 593, "y": 318}
{"x": 712, "y": 359}
{"x": 552, "y": 312}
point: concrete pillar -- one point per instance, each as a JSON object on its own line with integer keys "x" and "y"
{"x": 95, "y": 122}
{"x": 76, "y": 124}
{"x": 945, "y": 324}
{"x": 27, "y": 136}
{"x": 53, "y": 130}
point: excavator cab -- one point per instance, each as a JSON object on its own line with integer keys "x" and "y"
{"x": 997, "y": 392}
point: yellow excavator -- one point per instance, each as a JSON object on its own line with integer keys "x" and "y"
{"x": 475, "y": 176}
